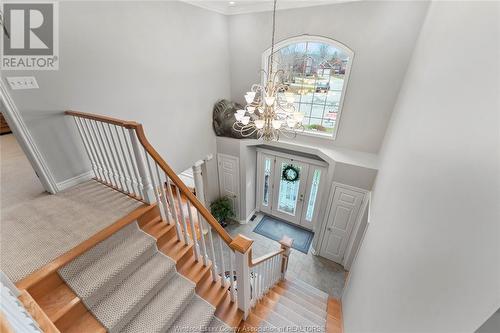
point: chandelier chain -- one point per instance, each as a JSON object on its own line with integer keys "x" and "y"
{"x": 271, "y": 60}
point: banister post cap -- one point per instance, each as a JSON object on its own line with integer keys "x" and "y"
{"x": 286, "y": 241}
{"x": 241, "y": 244}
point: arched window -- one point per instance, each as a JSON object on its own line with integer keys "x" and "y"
{"x": 316, "y": 72}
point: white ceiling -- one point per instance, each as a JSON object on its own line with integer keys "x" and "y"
{"x": 243, "y": 7}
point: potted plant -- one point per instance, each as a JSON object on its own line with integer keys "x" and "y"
{"x": 222, "y": 209}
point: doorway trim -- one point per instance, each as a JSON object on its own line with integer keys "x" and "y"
{"x": 25, "y": 140}
{"x": 237, "y": 212}
{"x": 355, "y": 229}
{"x": 275, "y": 179}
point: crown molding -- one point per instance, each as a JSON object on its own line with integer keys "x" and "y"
{"x": 246, "y": 7}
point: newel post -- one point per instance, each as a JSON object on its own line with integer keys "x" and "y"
{"x": 147, "y": 187}
{"x": 198, "y": 182}
{"x": 198, "y": 185}
{"x": 242, "y": 247}
{"x": 286, "y": 244}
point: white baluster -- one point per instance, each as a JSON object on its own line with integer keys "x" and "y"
{"x": 130, "y": 160}
{"x": 155, "y": 187}
{"x": 193, "y": 232}
{"x": 252, "y": 279}
{"x": 113, "y": 151}
{"x": 163, "y": 194}
{"x": 99, "y": 144}
{"x": 109, "y": 153}
{"x": 127, "y": 170}
{"x": 257, "y": 282}
{"x": 99, "y": 162}
{"x": 271, "y": 273}
{"x": 173, "y": 209}
{"x": 202, "y": 227}
{"x": 123, "y": 177}
{"x": 231, "y": 275}
{"x": 183, "y": 217}
{"x": 212, "y": 253}
{"x": 147, "y": 189}
{"x": 268, "y": 275}
{"x": 278, "y": 269}
{"x": 198, "y": 184}
{"x": 286, "y": 244}
{"x": 222, "y": 265}
{"x": 86, "y": 145}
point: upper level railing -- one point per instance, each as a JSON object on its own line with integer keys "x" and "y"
{"x": 123, "y": 159}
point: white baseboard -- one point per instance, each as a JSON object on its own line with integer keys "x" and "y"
{"x": 61, "y": 186}
{"x": 247, "y": 219}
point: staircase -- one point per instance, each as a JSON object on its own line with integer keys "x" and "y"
{"x": 130, "y": 286}
{"x": 293, "y": 304}
{"x": 168, "y": 266}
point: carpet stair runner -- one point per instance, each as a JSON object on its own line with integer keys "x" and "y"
{"x": 294, "y": 307}
{"x": 130, "y": 286}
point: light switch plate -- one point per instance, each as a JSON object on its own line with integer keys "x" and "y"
{"x": 22, "y": 82}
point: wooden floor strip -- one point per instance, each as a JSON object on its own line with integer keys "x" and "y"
{"x": 37, "y": 313}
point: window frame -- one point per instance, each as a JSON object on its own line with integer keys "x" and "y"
{"x": 316, "y": 39}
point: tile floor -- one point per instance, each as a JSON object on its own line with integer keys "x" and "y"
{"x": 314, "y": 270}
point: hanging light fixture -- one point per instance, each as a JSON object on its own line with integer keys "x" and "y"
{"x": 270, "y": 110}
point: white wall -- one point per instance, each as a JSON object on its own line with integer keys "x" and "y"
{"x": 430, "y": 261}
{"x": 382, "y": 35}
{"x": 163, "y": 64}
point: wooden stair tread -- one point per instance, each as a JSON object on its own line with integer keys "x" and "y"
{"x": 149, "y": 215}
{"x": 212, "y": 291}
{"x": 228, "y": 312}
{"x": 175, "y": 249}
{"x": 334, "y": 308}
{"x": 251, "y": 324}
{"x": 262, "y": 310}
{"x": 333, "y": 325}
{"x": 195, "y": 270}
{"x": 272, "y": 295}
{"x": 86, "y": 323}
{"x": 37, "y": 313}
{"x": 55, "y": 303}
{"x": 157, "y": 228}
{"x": 334, "y": 322}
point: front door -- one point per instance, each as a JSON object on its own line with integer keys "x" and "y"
{"x": 344, "y": 210}
{"x": 229, "y": 180}
{"x": 289, "y": 195}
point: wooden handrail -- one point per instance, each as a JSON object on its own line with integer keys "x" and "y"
{"x": 182, "y": 187}
{"x": 104, "y": 119}
{"x": 255, "y": 262}
{"x": 163, "y": 165}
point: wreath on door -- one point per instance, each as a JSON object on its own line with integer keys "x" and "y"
{"x": 290, "y": 173}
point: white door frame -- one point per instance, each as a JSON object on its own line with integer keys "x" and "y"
{"x": 362, "y": 208}
{"x": 261, "y": 156}
{"x": 262, "y": 153}
{"x": 301, "y": 192}
{"x": 25, "y": 140}
{"x": 237, "y": 212}
{"x": 307, "y": 195}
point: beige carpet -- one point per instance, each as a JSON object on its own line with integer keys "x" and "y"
{"x": 18, "y": 181}
{"x": 36, "y": 227}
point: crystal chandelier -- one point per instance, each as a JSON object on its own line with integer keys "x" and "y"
{"x": 270, "y": 110}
